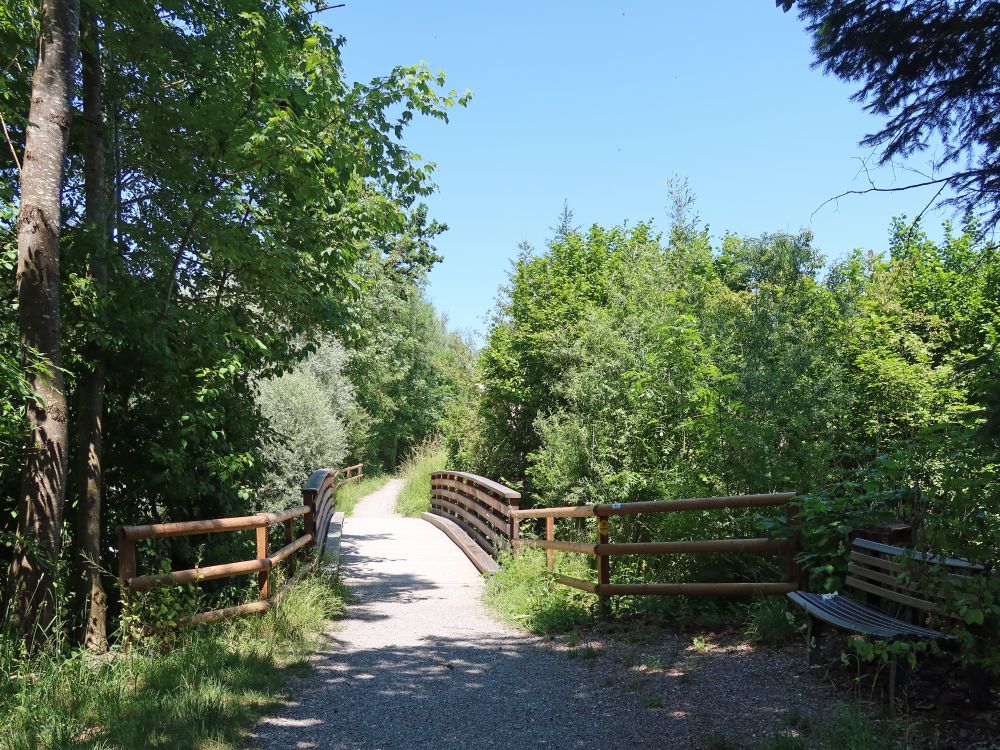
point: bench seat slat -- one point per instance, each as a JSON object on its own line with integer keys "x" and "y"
{"x": 855, "y": 608}
{"x": 847, "y": 614}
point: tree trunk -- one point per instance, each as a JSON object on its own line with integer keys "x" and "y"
{"x": 43, "y": 483}
{"x": 90, "y": 390}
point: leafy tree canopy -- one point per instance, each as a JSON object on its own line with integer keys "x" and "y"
{"x": 932, "y": 69}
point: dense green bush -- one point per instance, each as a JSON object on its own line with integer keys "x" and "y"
{"x": 625, "y": 365}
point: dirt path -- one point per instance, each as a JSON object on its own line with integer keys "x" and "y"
{"x": 418, "y": 663}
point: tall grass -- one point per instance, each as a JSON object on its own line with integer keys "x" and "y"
{"x": 349, "y": 494}
{"x": 415, "y": 496}
{"x": 202, "y": 692}
{"x": 524, "y": 594}
{"x": 851, "y": 728}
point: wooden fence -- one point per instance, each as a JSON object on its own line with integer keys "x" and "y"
{"x": 316, "y": 511}
{"x": 603, "y": 549}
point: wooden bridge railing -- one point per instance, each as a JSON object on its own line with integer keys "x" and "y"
{"x": 316, "y": 511}
{"x": 352, "y": 473}
{"x": 603, "y": 549}
{"x": 479, "y": 507}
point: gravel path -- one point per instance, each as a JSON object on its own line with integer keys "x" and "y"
{"x": 418, "y": 663}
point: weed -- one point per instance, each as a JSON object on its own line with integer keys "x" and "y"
{"x": 769, "y": 623}
{"x": 654, "y": 703}
{"x": 652, "y": 662}
{"x": 701, "y": 644}
{"x": 798, "y": 720}
{"x": 850, "y": 729}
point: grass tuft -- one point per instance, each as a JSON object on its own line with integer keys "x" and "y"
{"x": 769, "y": 623}
{"x": 415, "y": 496}
{"x": 204, "y": 691}
{"x": 522, "y": 593}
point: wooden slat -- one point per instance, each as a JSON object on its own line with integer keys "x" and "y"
{"x": 192, "y": 575}
{"x": 487, "y": 484}
{"x": 909, "y": 601}
{"x": 473, "y": 493}
{"x": 455, "y": 509}
{"x": 698, "y": 589}
{"x": 185, "y": 528}
{"x": 253, "y": 608}
{"x": 698, "y": 545}
{"x": 700, "y": 503}
{"x": 577, "y": 583}
{"x": 211, "y": 526}
{"x": 496, "y": 519}
{"x": 573, "y": 511}
{"x": 889, "y": 580}
{"x": 924, "y": 557}
{"x": 584, "y": 549}
{"x": 876, "y": 562}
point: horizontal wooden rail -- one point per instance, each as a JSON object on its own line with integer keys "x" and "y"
{"x": 695, "y": 546}
{"x": 574, "y": 511}
{"x": 317, "y": 509}
{"x": 351, "y": 473}
{"x": 578, "y": 547}
{"x": 250, "y": 608}
{"x": 697, "y": 589}
{"x": 193, "y": 575}
{"x": 210, "y": 572}
{"x": 659, "y": 506}
{"x": 214, "y": 526}
{"x": 577, "y": 583}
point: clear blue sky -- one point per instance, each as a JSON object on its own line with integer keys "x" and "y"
{"x": 599, "y": 103}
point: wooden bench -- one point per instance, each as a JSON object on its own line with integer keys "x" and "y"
{"x": 874, "y": 573}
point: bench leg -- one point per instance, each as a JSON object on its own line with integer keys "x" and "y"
{"x": 893, "y": 676}
{"x": 813, "y": 634}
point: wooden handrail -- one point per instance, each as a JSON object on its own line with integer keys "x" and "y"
{"x": 659, "y": 506}
{"x": 318, "y": 500}
{"x": 211, "y": 526}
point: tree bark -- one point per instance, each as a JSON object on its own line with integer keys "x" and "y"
{"x": 90, "y": 390}
{"x": 43, "y": 482}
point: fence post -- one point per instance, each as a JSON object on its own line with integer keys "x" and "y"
{"x": 603, "y": 568}
{"x": 550, "y": 535}
{"x": 289, "y": 538}
{"x": 309, "y": 519}
{"x": 264, "y": 576}
{"x": 792, "y": 569}
{"x": 126, "y": 561}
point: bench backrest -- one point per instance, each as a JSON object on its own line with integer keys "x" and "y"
{"x": 874, "y": 569}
